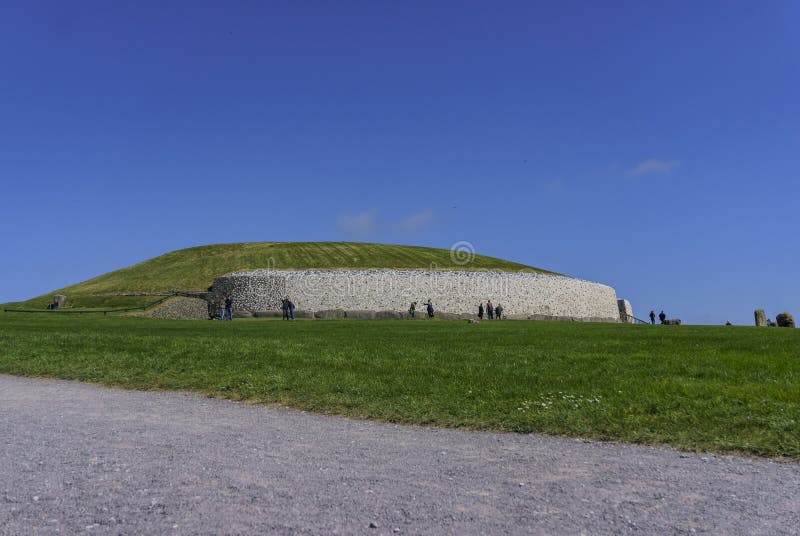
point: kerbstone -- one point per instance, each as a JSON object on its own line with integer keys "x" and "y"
{"x": 330, "y": 313}
{"x": 361, "y": 315}
{"x": 267, "y": 314}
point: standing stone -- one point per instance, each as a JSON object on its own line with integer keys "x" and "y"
{"x": 785, "y": 320}
{"x": 59, "y": 301}
{"x": 761, "y": 317}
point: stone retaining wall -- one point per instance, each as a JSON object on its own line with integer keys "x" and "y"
{"x": 625, "y": 311}
{"x": 522, "y": 295}
{"x": 180, "y": 307}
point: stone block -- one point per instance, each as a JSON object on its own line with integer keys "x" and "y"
{"x": 556, "y": 318}
{"x": 785, "y": 320}
{"x": 388, "y": 314}
{"x": 761, "y": 317}
{"x": 330, "y": 313}
{"x": 268, "y": 314}
{"x": 360, "y": 314}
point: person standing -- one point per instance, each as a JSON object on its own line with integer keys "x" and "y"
{"x": 498, "y": 311}
{"x": 489, "y": 309}
{"x": 429, "y": 307}
{"x": 290, "y": 304}
{"x": 412, "y": 309}
{"x": 652, "y": 317}
{"x": 662, "y": 316}
{"x": 228, "y": 311}
{"x": 285, "y": 308}
{"x": 480, "y": 311}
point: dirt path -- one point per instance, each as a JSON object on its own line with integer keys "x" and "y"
{"x": 77, "y": 458}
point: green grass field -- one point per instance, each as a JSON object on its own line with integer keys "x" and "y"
{"x": 196, "y": 268}
{"x": 725, "y": 389}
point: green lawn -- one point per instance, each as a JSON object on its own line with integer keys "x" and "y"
{"x": 698, "y": 388}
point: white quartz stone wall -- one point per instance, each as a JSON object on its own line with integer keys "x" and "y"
{"x": 521, "y": 294}
{"x": 625, "y": 311}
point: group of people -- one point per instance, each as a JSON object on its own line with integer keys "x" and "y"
{"x": 661, "y": 316}
{"x": 227, "y": 309}
{"x": 287, "y": 308}
{"x": 412, "y": 309}
{"x": 492, "y": 312}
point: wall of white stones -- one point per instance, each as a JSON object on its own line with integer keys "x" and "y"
{"x": 625, "y": 311}
{"x": 522, "y": 295}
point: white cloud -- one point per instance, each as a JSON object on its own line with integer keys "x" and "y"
{"x": 653, "y": 166}
{"x": 419, "y": 221}
{"x": 359, "y": 225}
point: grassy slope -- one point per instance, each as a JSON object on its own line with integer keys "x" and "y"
{"x": 693, "y": 387}
{"x": 195, "y": 268}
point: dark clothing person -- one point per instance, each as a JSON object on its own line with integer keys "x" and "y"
{"x": 291, "y": 309}
{"x": 412, "y": 310}
{"x": 285, "y": 308}
{"x": 498, "y": 311}
{"x": 480, "y": 312}
{"x": 430, "y": 309}
{"x": 652, "y": 317}
{"x": 662, "y": 317}
{"x": 489, "y": 310}
{"x": 228, "y": 311}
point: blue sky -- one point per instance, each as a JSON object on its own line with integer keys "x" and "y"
{"x": 650, "y": 146}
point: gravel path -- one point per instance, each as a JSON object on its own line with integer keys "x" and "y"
{"x": 78, "y": 458}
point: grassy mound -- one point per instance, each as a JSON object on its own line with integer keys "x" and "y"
{"x": 195, "y": 268}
